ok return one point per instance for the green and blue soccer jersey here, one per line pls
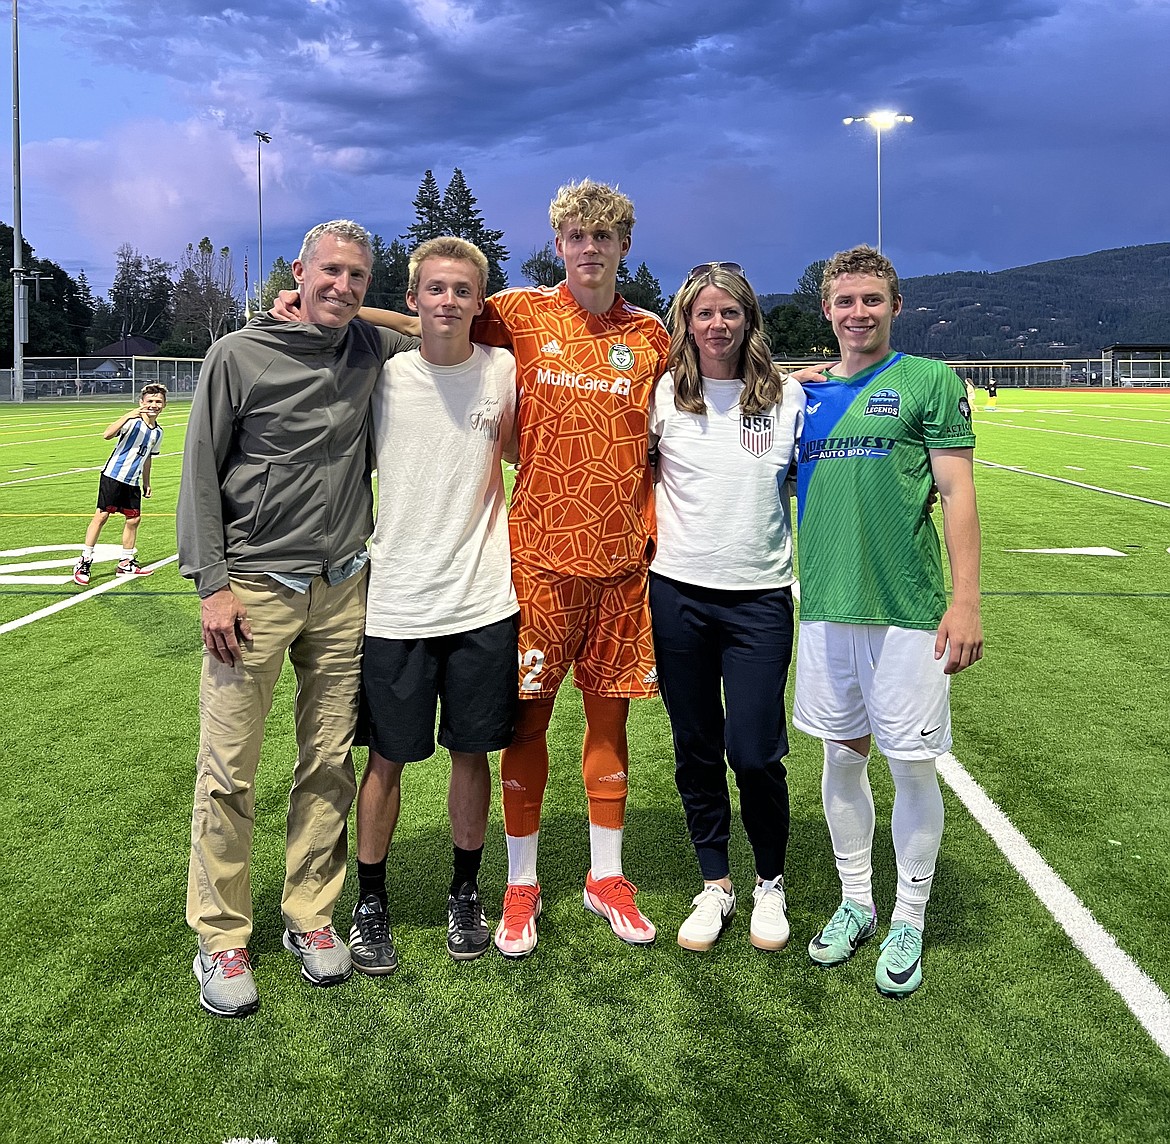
(869, 552)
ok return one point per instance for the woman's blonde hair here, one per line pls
(762, 381)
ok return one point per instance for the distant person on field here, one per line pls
(878, 641)
(275, 508)
(441, 618)
(992, 392)
(970, 387)
(125, 480)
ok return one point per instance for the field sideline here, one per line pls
(1043, 1015)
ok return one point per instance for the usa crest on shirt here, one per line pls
(755, 433)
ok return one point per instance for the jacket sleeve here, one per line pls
(210, 431)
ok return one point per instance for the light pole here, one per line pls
(880, 121)
(261, 137)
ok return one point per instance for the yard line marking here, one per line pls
(1141, 468)
(1087, 436)
(1069, 551)
(68, 473)
(62, 437)
(1076, 468)
(1132, 984)
(61, 605)
(1064, 481)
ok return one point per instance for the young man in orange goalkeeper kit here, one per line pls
(581, 533)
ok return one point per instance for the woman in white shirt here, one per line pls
(726, 420)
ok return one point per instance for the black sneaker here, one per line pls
(467, 928)
(371, 945)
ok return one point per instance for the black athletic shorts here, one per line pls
(469, 677)
(117, 496)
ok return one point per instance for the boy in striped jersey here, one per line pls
(125, 480)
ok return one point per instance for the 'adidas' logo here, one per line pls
(616, 777)
(551, 347)
(652, 676)
(512, 784)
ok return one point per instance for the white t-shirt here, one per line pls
(439, 557)
(722, 501)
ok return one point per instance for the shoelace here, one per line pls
(466, 911)
(232, 962)
(772, 904)
(519, 906)
(839, 923)
(618, 893)
(904, 942)
(318, 939)
(374, 926)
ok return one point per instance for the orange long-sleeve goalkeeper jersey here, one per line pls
(582, 500)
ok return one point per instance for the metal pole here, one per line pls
(19, 289)
(879, 186)
(261, 137)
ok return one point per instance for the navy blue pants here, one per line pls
(715, 648)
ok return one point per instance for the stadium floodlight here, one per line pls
(880, 121)
(261, 137)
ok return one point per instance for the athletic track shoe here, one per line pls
(843, 933)
(467, 930)
(769, 921)
(516, 933)
(612, 898)
(226, 985)
(714, 909)
(371, 944)
(81, 572)
(323, 956)
(899, 967)
(131, 567)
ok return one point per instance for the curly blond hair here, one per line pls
(593, 203)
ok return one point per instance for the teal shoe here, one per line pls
(899, 968)
(843, 934)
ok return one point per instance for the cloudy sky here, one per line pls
(1041, 127)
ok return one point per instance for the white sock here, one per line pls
(917, 828)
(605, 851)
(86, 552)
(522, 858)
(128, 553)
(849, 811)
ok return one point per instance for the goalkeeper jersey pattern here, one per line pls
(869, 552)
(582, 500)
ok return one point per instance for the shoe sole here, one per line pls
(322, 982)
(841, 960)
(372, 970)
(208, 1007)
(467, 956)
(600, 912)
(767, 944)
(519, 955)
(696, 946)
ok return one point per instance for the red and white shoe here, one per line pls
(612, 898)
(516, 933)
(131, 567)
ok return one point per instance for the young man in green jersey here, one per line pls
(878, 641)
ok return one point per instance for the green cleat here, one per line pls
(843, 934)
(899, 968)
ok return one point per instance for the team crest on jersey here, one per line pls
(755, 433)
(884, 403)
(621, 356)
(965, 408)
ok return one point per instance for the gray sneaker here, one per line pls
(322, 954)
(226, 985)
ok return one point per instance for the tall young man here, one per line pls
(581, 533)
(878, 641)
(441, 610)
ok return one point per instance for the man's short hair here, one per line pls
(859, 260)
(340, 228)
(153, 387)
(593, 203)
(448, 246)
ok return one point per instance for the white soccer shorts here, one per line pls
(869, 679)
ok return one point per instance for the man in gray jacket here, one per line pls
(275, 508)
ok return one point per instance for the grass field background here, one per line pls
(1014, 1036)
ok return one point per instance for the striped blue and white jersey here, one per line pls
(136, 442)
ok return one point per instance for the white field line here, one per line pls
(61, 605)
(67, 473)
(1087, 436)
(1095, 417)
(1136, 988)
(68, 437)
(1065, 481)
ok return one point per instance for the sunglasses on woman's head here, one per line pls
(707, 267)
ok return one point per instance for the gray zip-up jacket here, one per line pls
(276, 465)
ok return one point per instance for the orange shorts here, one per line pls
(599, 627)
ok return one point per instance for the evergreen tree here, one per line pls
(462, 218)
(390, 274)
(140, 297)
(280, 277)
(542, 267)
(429, 220)
(205, 303)
(807, 294)
(643, 289)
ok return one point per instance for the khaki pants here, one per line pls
(322, 632)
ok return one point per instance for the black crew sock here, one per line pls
(372, 880)
(466, 867)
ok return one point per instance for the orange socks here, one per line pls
(606, 760)
(524, 768)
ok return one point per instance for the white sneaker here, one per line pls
(714, 909)
(769, 921)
